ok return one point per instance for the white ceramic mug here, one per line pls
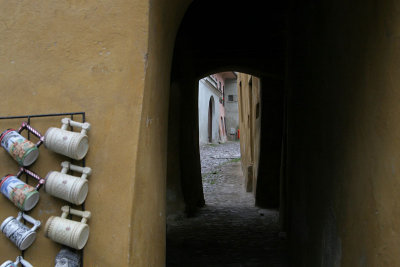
(18, 232)
(19, 260)
(71, 144)
(67, 232)
(70, 188)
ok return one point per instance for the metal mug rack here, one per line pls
(29, 119)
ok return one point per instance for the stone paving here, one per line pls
(229, 230)
(213, 155)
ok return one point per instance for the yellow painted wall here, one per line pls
(149, 203)
(112, 60)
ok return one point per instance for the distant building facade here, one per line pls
(231, 109)
(211, 104)
(209, 110)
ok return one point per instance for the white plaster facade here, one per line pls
(208, 91)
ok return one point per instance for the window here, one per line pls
(232, 98)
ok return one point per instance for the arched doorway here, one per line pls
(210, 118)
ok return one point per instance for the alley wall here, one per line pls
(207, 93)
(343, 143)
(249, 127)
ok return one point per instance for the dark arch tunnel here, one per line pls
(214, 45)
(324, 84)
(230, 45)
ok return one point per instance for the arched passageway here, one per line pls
(194, 58)
(328, 149)
(229, 230)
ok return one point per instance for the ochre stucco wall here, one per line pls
(149, 203)
(112, 60)
(249, 126)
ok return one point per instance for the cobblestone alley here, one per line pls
(229, 230)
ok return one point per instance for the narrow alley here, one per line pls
(229, 230)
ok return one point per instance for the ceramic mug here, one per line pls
(68, 258)
(71, 144)
(21, 149)
(67, 232)
(70, 188)
(19, 260)
(23, 195)
(18, 232)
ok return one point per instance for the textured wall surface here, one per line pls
(249, 95)
(98, 57)
(343, 133)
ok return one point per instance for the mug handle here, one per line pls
(23, 262)
(66, 166)
(66, 210)
(35, 223)
(32, 130)
(17, 260)
(85, 126)
(33, 175)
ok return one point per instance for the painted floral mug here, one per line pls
(23, 195)
(21, 149)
